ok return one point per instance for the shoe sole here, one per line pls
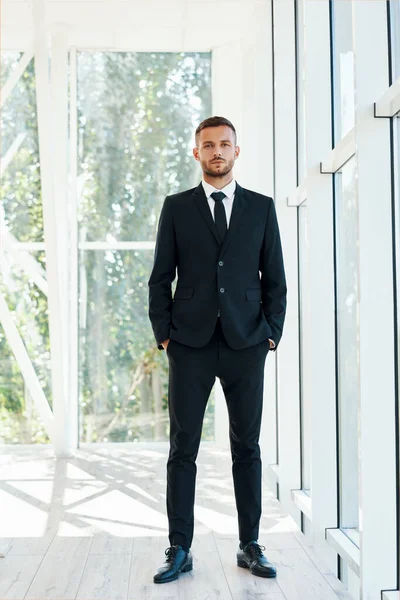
(244, 565)
(175, 577)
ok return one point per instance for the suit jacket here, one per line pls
(242, 278)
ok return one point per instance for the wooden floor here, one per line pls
(94, 527)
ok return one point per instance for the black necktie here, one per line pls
(219, 214)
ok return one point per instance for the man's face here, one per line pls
(216, 150)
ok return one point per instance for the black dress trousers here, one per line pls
(192, 373)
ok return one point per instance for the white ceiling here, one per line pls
(143, 25)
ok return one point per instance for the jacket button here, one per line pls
(222, 290)
(221, 262)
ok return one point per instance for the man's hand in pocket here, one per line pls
(165, 343)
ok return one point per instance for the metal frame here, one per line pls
(11, 152)
(51, 93)
(341, 153)
(388, 104)
(395, 136)
(298, 196)
(30, 265)
(390, 595)
(343, 545)
(15, 76)
(28, 372)
(303, 501)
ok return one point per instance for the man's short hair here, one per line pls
(214, 122)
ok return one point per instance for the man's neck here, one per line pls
(218, 182)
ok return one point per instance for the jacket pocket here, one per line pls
(183, 293)
(253, 294)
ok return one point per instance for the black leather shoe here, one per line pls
(178, 561)
(251, 557)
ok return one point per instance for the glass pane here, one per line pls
(348, 341)
(20, 192)
(137, 113)
(343, 71)
(395, 37)
(304, 345)
(123, 375)
(301, 93)
(396, 181)
(9, 62)
(19, 420)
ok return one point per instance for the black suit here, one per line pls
(215, 277)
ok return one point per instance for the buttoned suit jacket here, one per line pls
(242, 277)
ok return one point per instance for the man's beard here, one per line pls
(221, 172)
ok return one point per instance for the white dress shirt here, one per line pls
(229, 191)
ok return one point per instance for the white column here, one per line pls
(64, 418)
(321, 276)
(52, 107)
(73, 256)
(377, 442)
(285, 158)
(248, 104)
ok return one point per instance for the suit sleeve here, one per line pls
(273, 281)
(162, 275)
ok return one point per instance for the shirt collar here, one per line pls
(228, 190)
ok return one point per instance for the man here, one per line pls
(222, 322)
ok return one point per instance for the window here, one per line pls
(343, 68)
(304, 283)
(347, 310)
(137, 113)
(22, 268)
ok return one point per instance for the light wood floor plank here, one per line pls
(60, 572)
(105, 577)
(105, 543)
(16, 575)
(298, 577)
(31, 545)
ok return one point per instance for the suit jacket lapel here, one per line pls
(237, 209)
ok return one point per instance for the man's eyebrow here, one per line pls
(211, 142)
